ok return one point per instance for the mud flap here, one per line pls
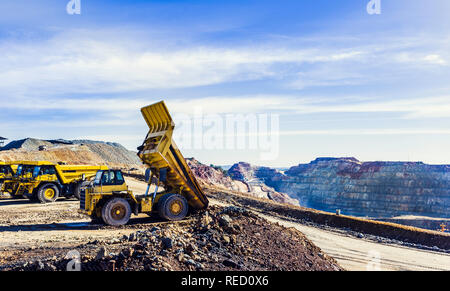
(136, 209)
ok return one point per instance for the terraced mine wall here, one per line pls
(374, 189)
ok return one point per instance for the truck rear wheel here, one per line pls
(116, 211)
(77, 190)
(48, 193)
(172, 207)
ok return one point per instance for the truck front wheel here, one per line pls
(172, 207)
(116, 211)
(48, 193)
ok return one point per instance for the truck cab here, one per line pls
(106, 184)
(109, 181)
(7, 171)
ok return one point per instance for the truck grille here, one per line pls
(83, 199)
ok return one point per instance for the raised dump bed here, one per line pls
(160, 152)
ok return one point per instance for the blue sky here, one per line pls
(343, 82)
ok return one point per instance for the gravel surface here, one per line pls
(221, 238)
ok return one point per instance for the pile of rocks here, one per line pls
(228, 238)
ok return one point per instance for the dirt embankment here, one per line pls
(228, 238)
(439, 224)
(408, 234)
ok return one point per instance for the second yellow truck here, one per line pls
(45, 181)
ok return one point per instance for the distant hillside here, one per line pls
(71, 151)
(26, 144)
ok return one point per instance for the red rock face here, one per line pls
(241, 171)
(355, 170)
(241, 177)
(210, 175)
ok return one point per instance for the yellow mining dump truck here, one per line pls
(175, 192)
(7, 171)
(46, 181)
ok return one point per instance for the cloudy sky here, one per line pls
(338, 81)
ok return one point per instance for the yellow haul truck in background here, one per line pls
(176, 189)
(46, 181)
(7, 171)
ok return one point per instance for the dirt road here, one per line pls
(33, 225)
(360, 254)
(24, 224)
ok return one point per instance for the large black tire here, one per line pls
(116, 211)
(77, 190)
(173, 207)
(48, 193)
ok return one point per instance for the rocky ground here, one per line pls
(34, 235)
(229, 238)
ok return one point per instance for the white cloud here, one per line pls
(124, 108)
(435, 59)
(431, 107)
(328, 75)
(380, 131)
(104, 62)
(74, 72)
(61, 65)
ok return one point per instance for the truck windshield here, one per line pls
(5, 170)
(36, 171)
(98, 178)
(26, 169)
